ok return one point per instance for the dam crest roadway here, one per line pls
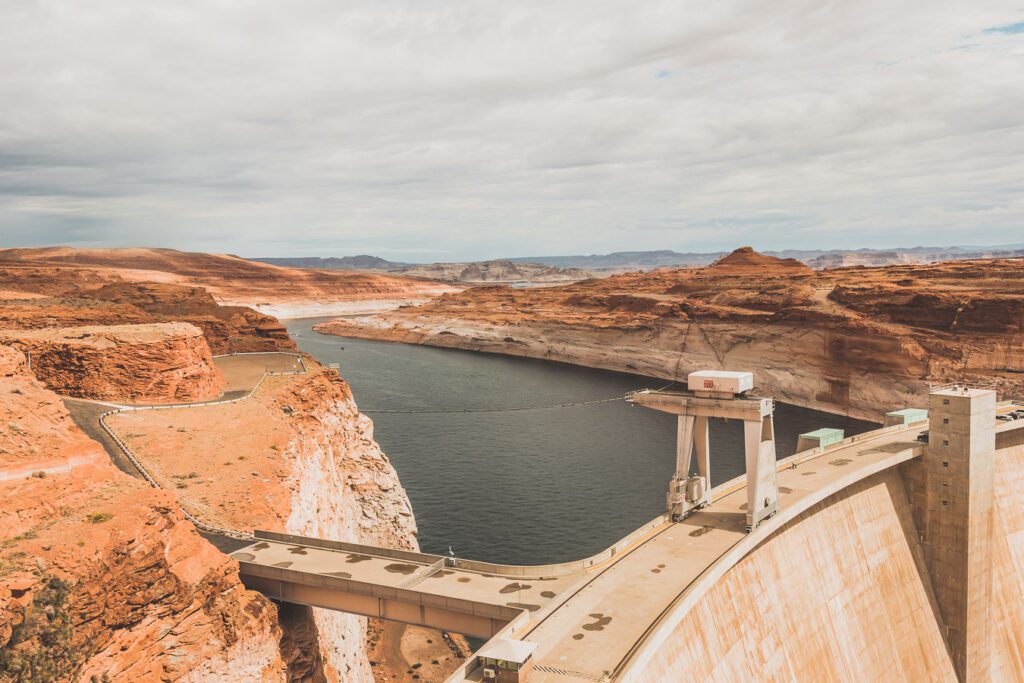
(605, 617)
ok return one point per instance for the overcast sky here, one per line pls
(447, 130)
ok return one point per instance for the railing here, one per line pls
(423, 573)
(137, 463)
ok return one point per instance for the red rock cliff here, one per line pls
(99, 573)
(859, 341)
(155, 363)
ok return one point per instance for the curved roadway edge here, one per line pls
(637, 658)
(137, 463)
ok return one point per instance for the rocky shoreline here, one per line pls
(855, 342)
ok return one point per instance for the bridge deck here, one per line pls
(404, 573)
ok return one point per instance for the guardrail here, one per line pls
(562, 568)
(345, 546)
(423, 574)
(137, 463)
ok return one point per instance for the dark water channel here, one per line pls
(534, 486)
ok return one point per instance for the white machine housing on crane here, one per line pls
(725, 382)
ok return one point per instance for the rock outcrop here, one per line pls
(153, 600)
(296, 457)
(101, 574)
(148, 363)
(227, 328)
(856, 341)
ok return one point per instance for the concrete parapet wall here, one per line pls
(1007, 611)
(357, 548)
(564, 568)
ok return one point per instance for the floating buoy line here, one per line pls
(512, 409)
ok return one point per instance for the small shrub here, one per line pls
(99, 517)
(40, 647)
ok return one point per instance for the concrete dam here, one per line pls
(892, 555)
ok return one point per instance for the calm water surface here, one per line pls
(534, 486)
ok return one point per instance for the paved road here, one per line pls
(86, 415)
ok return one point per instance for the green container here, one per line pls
(826, 436)
(906, 416)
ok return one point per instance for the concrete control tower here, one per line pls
(718, 393)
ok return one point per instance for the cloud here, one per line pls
(473, 129)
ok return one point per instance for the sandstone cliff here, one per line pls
(154, 363)
(62, 300)
(857, 341)
(101, 574)
(297, 457)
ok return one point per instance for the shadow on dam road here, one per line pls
(526, 487)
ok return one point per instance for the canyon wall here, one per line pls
(231, 280)
(843, 589)
(55, 298)
(101, 574)
(137, 326)
(343, 487)
(295, 457)
(856, 341)
(830, 370)
(146, 363)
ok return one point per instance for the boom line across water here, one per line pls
(438, 411)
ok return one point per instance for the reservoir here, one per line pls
(526, 486)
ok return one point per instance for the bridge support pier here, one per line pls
(953, 510)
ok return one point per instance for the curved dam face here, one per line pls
(843, 591)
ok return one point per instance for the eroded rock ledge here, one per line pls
(146, 363)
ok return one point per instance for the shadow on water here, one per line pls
(526, 487)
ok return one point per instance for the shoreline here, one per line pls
(573, 353)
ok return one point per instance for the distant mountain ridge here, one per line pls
(500, 270)
(358, 262)
(621, 261)
(815, 258)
